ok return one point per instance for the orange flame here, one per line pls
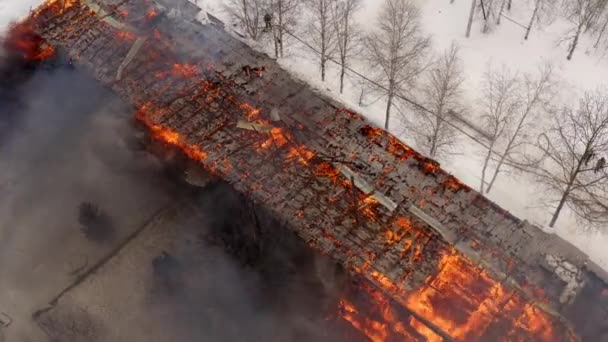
(152, 13)
(124, 35)
(168, 135)
(22, 40)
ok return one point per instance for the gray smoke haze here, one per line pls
(64, 140)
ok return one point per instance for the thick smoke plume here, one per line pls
(71, 154)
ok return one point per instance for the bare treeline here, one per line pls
(588, 17)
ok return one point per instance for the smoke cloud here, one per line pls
(232, 273)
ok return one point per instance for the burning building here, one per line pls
(438, 260)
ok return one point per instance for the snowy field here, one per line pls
(446, 23)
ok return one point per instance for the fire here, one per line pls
(452, 184)
(168, 135)
(152, 13)
(374, 330)
(124, 35)
(301, 153)
(57, 6)
(277, 139)
(430, 166)
(23, 41)
(461, 298)
(251, 112)
(399, 149)
(185, 70)
(379, 321)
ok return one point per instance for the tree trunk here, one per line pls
(560, 206)
(566, 193)
(485, 167)
(276, 43)
(509, 5)
(471, 15)
(361, 96)
(433, 149)
(502, 8)
(323, 69)
(342, 73)
(502, 160)
(344, 52)
(280, 29)
(389, 104)
(507, 150)
(531, 20)
(574, 42)
(599, 37)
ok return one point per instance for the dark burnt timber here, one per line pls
(447, 254)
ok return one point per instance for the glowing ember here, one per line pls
(452, 184)
(152, 13)
(301, 153)
(374, 330)
(169, 136)
(21, 40)
(277, 139)
(124, 35)
(252, 113)
(185, 70)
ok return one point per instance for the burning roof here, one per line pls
(460, 267)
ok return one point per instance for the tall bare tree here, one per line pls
(575, 149)
(249, 15)
(601, 29)
(346, 32)
(398, 48)
(583, 14)
(536, 94)
(488, 10)
(285, 19)
(322, 31)
(471, 17)
(544, 12)
(442, 91)
(500, 103)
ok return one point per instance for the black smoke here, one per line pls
(75, 180)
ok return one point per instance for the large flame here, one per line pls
(22, 40)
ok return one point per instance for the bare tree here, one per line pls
(249, 15)
(535, 98)
(322, 31)
(346, 33)
(599, 32)
(503, 3)
(471, 17)
(500, 103)
(574, 168)
(583, 14)
(398, 48)
(284, 15)
(544, 12)
(442, 92)
(488, 11)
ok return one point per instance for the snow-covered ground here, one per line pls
(504, 46)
